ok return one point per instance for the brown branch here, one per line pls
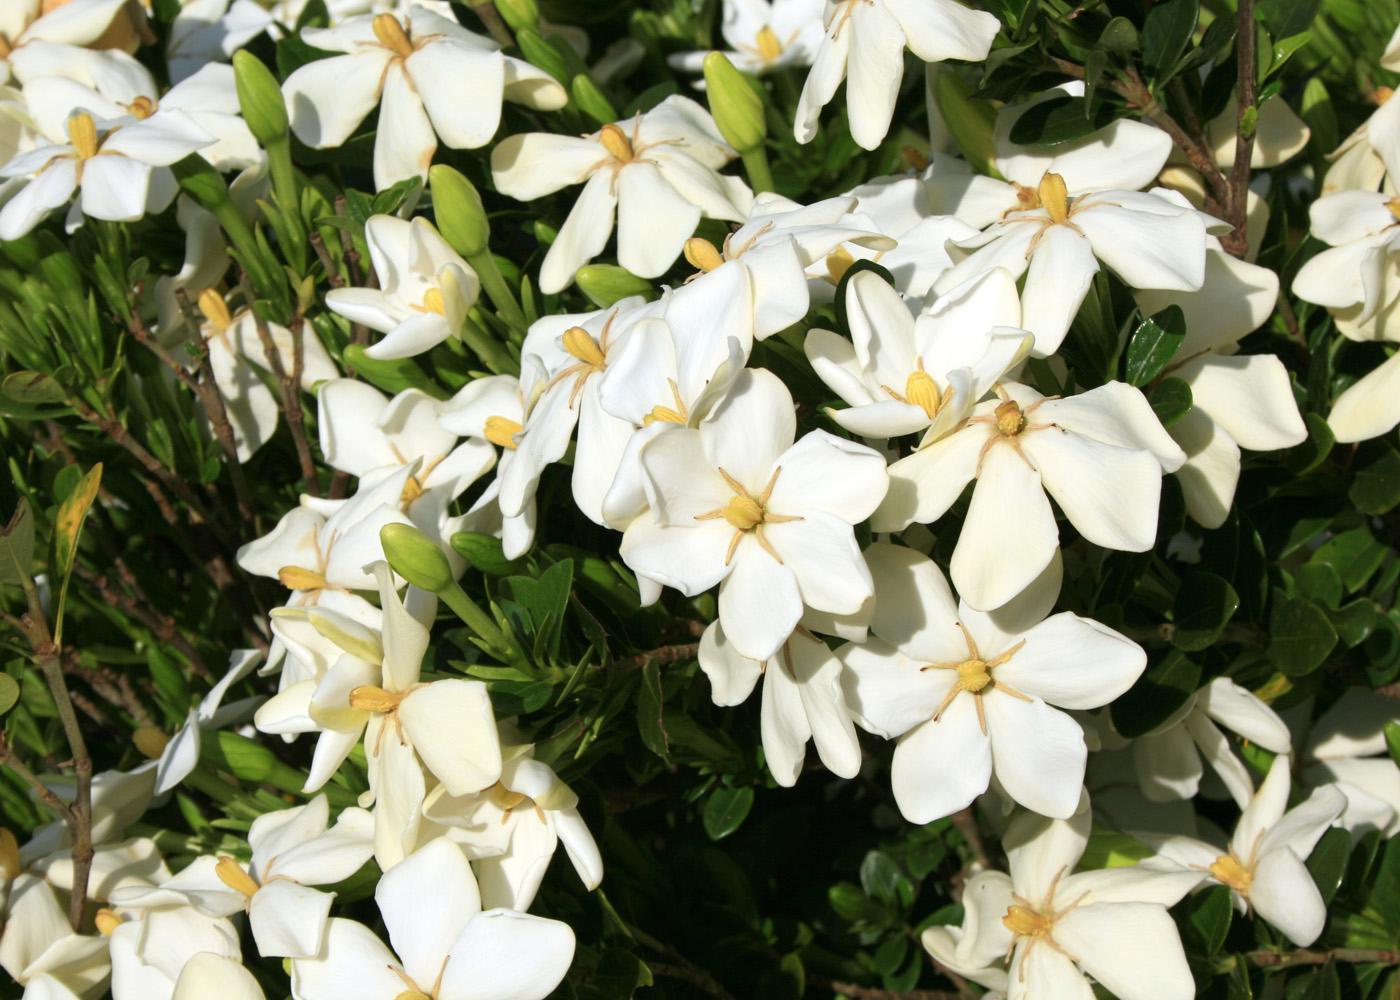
(289, 384)
(1236, 242)
(1304, 956)
(661, 655)
(318, 244)
(491, 17)
(1133, 89)
(680, 967)
(966, 824)
(44, 793)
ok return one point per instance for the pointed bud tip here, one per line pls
(416, 558)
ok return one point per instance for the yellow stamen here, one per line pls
(973, 676)
(615, 141)
(1380, 95)
(921, 390)
(662, 414)
(82, 135)
(913, 159)
(433, 303)
(392, 36)
(1054, 197)
(232, 875)
(701, 253)
(9, 853)
(1394, 205)
(1009, 418)
(744, 513)
(579, 343)
(150, 741)
(767, 43)
(838, 262)
(1026, 198)
(298, 578)
(1025, 922)
(503, 798)
(1228, 870)
(5, 47)
(215, 310)
(142, 107)
(501, 431)
(368, 698)
(106, 921)
(413, 995)
(411, 491)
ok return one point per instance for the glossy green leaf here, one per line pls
(1166, 33)
(1060, 120)
(1205, 920)
(9, 693)
(1328, 861)
(1300, 636)
(1153, 345)
(1204, 605)
(1170, 399)
(17, 545)
(1375, 486)
(725, 811)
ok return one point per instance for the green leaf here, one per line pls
(1060, 120)
(1328, 861)
(725, 811)
(1303, 458)
(17, 545)
(1392, 741)
(1170, 399)
(1354, 554)
(1205, 920)
(1159, 692)
(1119, 36)
(1154, 343)
(1323, 984)
(9, 693)
(1204, 605)
(651, 721)
(882, 878)
(1375, 488)
(1286, 18)
(1165, 35)
(33, 388)
(484, 552)
(1300, 636)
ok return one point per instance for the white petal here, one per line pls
(441, 72)
(1062, 266)
(1133, 949)
(1073, 662)
(925, 786)
(653, 220)
(504, 955)
(1283, 893)
(874, 71)
(328, 99)
(533, 164)
(289, 920)
(1263, 811)
(732, 675)
(404, 141)
(209, 975)
(1109, 494)
(1241, 711)
(925, 484)
(583, 236)
(1038, 753)
(1370, 407)
(354, 966)
(759, 602)
(452, 727)
(428, 900)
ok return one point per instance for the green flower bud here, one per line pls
(519, 14)
(260, 99)
(735, 103)
(416, 558)
(970, 120)
(539, 51)
(592, 101)
(604, 284)
(461, 218)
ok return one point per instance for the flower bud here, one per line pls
(971, 121)
(592, 101)
(604, 284)
(416, 558)
(260, 99)
(150, 741)
(737, 106)
(540, 52)
(461, 218)
(519, 14)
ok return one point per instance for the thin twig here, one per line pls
(44, 792)
(661, 655)
(1236, 242)
(290, 385)
(1264, 958)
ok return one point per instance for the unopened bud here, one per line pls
(590, 100)
(604, 284)
(735, 103)
(519, 14)
(461, 218)
(416, 558)
(150, 741)
(260, 99)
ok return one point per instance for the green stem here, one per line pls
(756, 166)
(492, 354)
(494, 284)
(475, 618)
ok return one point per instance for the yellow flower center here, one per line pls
(300, 578)
(747, 513)
(9, 853)
(700, 253)
(678, 414)
(1010, 419)
(744, 512)
(579, 343)
(432, 302)
(615, 141)
(391, 35)
(1228, 870)
(150, 741)
(1394, 205)
(1026, 922)
(1054, 197)
(82, 135)
(215, 310)
(5, 47)
(368, 698)
(142, 107)
(231, 874)
(767, 43)
(501, 431)
(1380, 95)
(921, 390)
(106, 921)
(413, 995)
(973, 675)
(838, 262)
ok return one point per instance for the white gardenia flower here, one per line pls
(511, 830)
(982, 690)
(1347, 748)
(1264, 862)
(1100, 454)
(292, 850)
(212, 975)
(119, 799)
(763, 36)
(802, 700)
(776, 246)
(445, 946)
(737, 503)
(1371, 154)
(1060, 926)
(39, 949)
(1168, 760)
(864, 45)
(115, 865)
(425, 289)
(906, 374)
(150, 948)
(1057, 240)
(658, 174)
(207, 32)
(119, 171)
(32, 38)
(415, 68)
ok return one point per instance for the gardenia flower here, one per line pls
(1263, 864)
(120, 173)
(39, 949)
(32, 39)
(984, 690)
(1347, 748)
(212, 975)
(736, 502)
(511, 830)
(445, 946)
(151, 948)
(657, 173)
(802, 700)
(1057, 241)
(206, 32)
(425, 289)
(903, 374)
(764, 36)
(416, 69)
(864, 45)
(1060, 926)
(1100, 454)
(1371, 154)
